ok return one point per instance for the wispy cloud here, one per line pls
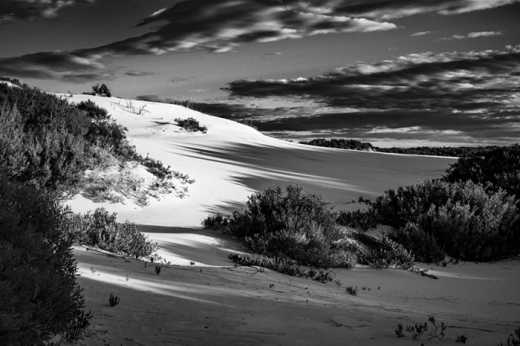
(475, 34)
(29, 9)
(451, 81)
(421, 33)
(474, 93)
(222, 25)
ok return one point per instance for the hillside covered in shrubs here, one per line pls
(472, 213)
(46, 146)
(295, 226)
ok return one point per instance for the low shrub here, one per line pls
(40, 298)
(496, 169)
(513, 339)
(101, 229)
(385, 253)
(101, 90)
(432, 329)
(282, 265)
(92, 111)
(113, 300)
(191, 125)
(287, 224)
(462, 220)
(351, 290)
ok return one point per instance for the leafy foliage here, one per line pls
(39, 296)
(101, 229)
(461, 220)
(432, 329)
(101, 90)
(282, 265)
(290, 224)
(191, 125)
(496, 169)
(513, 339)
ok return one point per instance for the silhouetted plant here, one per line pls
(101, 90)
(158, 269)
(431, 329)
(191, 125)
(461, 339)
(513, 339)
(40, 297)
(351, 290)
(113, 300)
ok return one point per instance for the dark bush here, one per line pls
(288, 224)
(101, 229)
(45, 138)
(351, 290)
(461, 220)
(513, 339)
(113, 300)
(282, 265)
(39, 298)
(191, 125)
(92, 110)
(101, 90)
(496, 169)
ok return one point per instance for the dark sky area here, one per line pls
(406, 72)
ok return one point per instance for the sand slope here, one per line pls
(202, 299)
(232, 160)
(227, 305)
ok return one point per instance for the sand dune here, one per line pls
(232, 160)
(202, 299)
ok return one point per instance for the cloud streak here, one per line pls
(476, 34)
(476, 81)
(222, 25)
(11, 10)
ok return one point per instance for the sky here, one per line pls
(393, 72)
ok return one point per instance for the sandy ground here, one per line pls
(232, 160)
(202, 299)
(214, 303)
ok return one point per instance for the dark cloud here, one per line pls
(485, 81)
(390, 9)
(30, 9)
(221, 25)
(54, 65)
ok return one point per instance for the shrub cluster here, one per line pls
(191, 125)
(498, 168)
(101, 229)
(461, 220)
(39, 296)
(282, 265)
(101, 90)
(287, 224)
